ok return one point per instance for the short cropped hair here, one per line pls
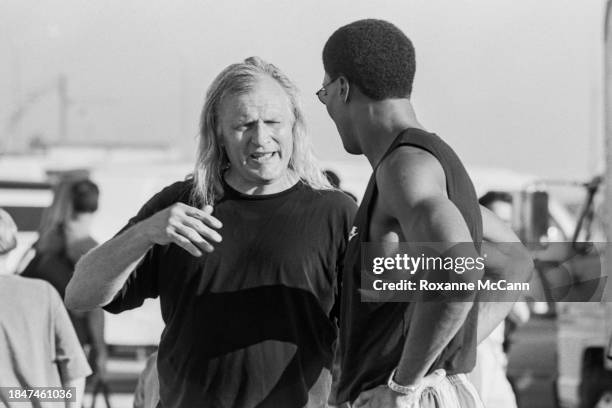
(8, 233)
(373, 54)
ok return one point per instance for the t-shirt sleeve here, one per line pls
(69, 356)
(143, 281)
(140, 285)
(177, 192)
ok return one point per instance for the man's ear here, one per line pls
(344, 88)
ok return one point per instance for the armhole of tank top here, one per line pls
(400, 144)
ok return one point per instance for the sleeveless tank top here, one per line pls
(372, 335)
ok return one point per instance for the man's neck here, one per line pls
(260, 188)
(377, 124)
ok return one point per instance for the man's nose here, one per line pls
(261, 134)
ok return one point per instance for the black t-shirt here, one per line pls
(372, 334)
(249, 324)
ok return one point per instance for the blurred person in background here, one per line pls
(65, 236)
(38, 345)
(490, 373)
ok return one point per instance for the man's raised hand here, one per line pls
(188, 227)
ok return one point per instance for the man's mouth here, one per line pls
(262, 157)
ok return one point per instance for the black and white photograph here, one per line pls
(307, 204)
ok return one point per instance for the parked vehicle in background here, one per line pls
(583, 330)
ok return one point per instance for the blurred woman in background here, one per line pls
(65, 236)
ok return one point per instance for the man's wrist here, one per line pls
(405, 395)
(142, 231)
(404, 389)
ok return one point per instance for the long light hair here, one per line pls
(238, 79)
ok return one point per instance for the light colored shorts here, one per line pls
(455, 391)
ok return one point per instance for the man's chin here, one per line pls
(352, 150)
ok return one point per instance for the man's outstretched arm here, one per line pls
(103, 271)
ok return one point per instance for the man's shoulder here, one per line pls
(408, 157)
(408, 168)
(179, 191)
(333, 200)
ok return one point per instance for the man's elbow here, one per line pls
(73, 301)
(75, 297)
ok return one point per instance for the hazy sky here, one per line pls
(513, 84)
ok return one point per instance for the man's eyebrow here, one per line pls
(241, 117)
(243, 120)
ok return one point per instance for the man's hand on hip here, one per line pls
(383, 397)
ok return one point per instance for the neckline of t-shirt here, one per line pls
(232, 192)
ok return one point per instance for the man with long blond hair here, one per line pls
(244, 256)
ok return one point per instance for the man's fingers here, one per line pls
(204, 216)
(184, 243)
(195, 238)
(206, 232)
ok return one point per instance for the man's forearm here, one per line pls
(490, 315)
(432, 326)
(505, 261)
(101, 273)
(435, 321)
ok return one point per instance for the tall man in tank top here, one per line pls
(406, 354)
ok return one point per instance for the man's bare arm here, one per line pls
(507, 259)
(103, 271)
(413, 187)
